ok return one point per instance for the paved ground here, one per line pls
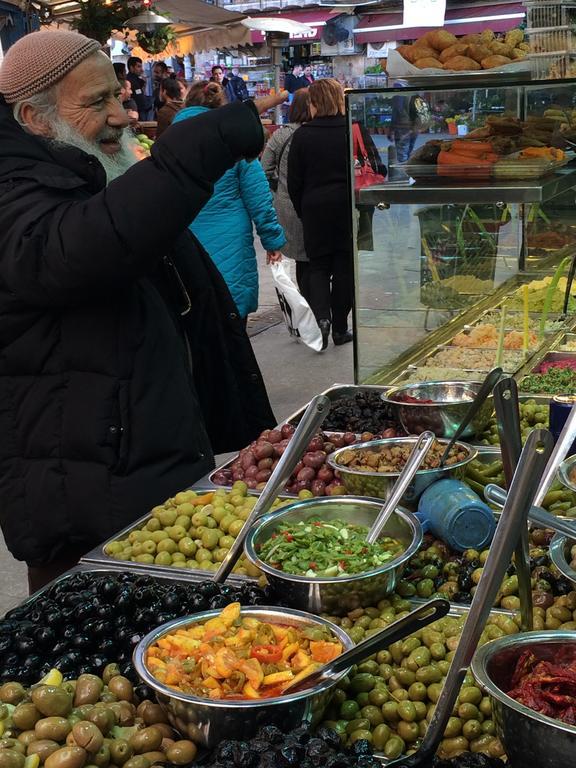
(293, 374)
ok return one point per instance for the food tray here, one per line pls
(487, 317)
(406, 374)
(568, 338)
(554, 357)
(98, 556)
(510, 370)
(512, 169)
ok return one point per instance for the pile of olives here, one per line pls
(95, 721)
(435, 570)
(388, 699)
(533, 415)
(192, 531)
(363, 411)
(88, 619)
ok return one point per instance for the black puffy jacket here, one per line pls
(100, 415)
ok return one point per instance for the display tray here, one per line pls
(472, 79)
(515, 321)
(511, 169)
(98, 556)
(554, 357)
(566, 343)
(510, 363)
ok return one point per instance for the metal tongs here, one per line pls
(421, 448)
(312, 420)
(522, 492)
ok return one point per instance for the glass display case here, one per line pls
(478, 201)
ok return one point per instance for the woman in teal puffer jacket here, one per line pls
(240, 199)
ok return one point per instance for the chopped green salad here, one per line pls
(326, 549)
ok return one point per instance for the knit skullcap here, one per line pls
(41, 59)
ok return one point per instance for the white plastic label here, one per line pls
(424, 13)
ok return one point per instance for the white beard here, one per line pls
(114, 165)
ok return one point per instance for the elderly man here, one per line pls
(123, 362)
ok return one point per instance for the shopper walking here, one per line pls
(238, 85)
(275, 164)
(318, 188)
(138, 82)
(241, 200)
(171, 95)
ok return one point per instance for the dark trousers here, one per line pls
(330, 286)
(302, 269)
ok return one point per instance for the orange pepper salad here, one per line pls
(239, 657)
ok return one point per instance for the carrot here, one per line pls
(200, 501)
(455, 164)
(472, 147)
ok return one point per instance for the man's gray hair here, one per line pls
(44, 103)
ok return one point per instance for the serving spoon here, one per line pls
(421, 448)
(417, 619)
(482, 395)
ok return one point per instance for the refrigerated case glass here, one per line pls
(432, 252)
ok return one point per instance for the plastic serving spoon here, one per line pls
(417, 619)
(421, 448)
(522, 491)
(313, 418)
(483, 393)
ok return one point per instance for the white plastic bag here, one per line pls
(298, 316)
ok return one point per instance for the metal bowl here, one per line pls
(208, 721)
(529, 738)
(339, 595)
(565, 470)
(560, 554)
(451, 402)
(379, 484)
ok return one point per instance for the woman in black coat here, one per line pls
(318, 188)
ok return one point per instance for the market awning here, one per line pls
(315, 19)
(381, 27)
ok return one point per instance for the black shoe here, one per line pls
(324, 326)
(342, 338)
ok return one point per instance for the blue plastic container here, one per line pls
(454, 513)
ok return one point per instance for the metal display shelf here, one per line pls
(462, 192)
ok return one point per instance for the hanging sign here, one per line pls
(424, 13)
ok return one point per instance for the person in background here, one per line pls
(295, 80)
(318, 188)
(127, 101)
(308, 74)
(137, 80)
(220, 78)
(238, 85)
(275, 164)
(120, 69)
(172, 97)
(241, 200)
(159, 74)
(402, 126)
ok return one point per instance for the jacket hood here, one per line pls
(23, 155)
(190, 112)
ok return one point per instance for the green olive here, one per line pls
(69, 686)
(468, 712)
(405, 676)
(110, 671)
(43, 748)
(182, 752)
(12, 693)
(102, 757)
(390, 712)
(66, 757)
(155, 757)
(103, 717)
(10, 743)
(378, 696)
(471, 730)
(361, 734)
(151, 713)
(453, 728)
(88, 690)
(394, 747)
(138, 761)
(120, 751)
(373, 714)
(407, 712)
(360, 724)
(51, 700)
(408, 732)
(146, 740)
(56, 728)
(27, 737)
(121, 687)
(417, 692)
(349, 710)
(380, 736)
(25, 716)
(9, 758)
(125, 713)
(470, 695)
(88, 736)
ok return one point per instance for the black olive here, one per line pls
(106, 646)
(108, 587)
(361, 747)
(69, 631)
(25, 644)
(289, 755)
(83, 612)
(271, 734)
(32, 661)
(54, 618)
(62, 646)
(208, 589)
(45, 637)
(329, 737)
(69, 662)
(5, 643)
(196, 603)
(219, 601)
(171, 601)
(81, 641)
(143, 692)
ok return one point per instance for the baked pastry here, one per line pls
(408, 52)
(486, 36)
(423, 52)
(442, 39)
(518, 53)
(495, 61)
(474, 39)
(502, 49)
(513, 37)
(429, 61)
(478, 52)
(461, 64)
(459, 49)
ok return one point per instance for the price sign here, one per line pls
(424, 13)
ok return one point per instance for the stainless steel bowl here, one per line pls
(207, 722)
(565, 470)
(559, 551)
(379, 484)
(339, 595)
(529, 738)
(451, 402)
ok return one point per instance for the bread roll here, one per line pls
(514, 36)
(518, 53)
(407, 52)
(442, 39)
(524, 46)
(486, 36)
(461, 64)
(502, 49)
(495, 61)
(474, 39)
(459, 49)
(478, 52)
(429, 61)
(425, 39)
(423, 52)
